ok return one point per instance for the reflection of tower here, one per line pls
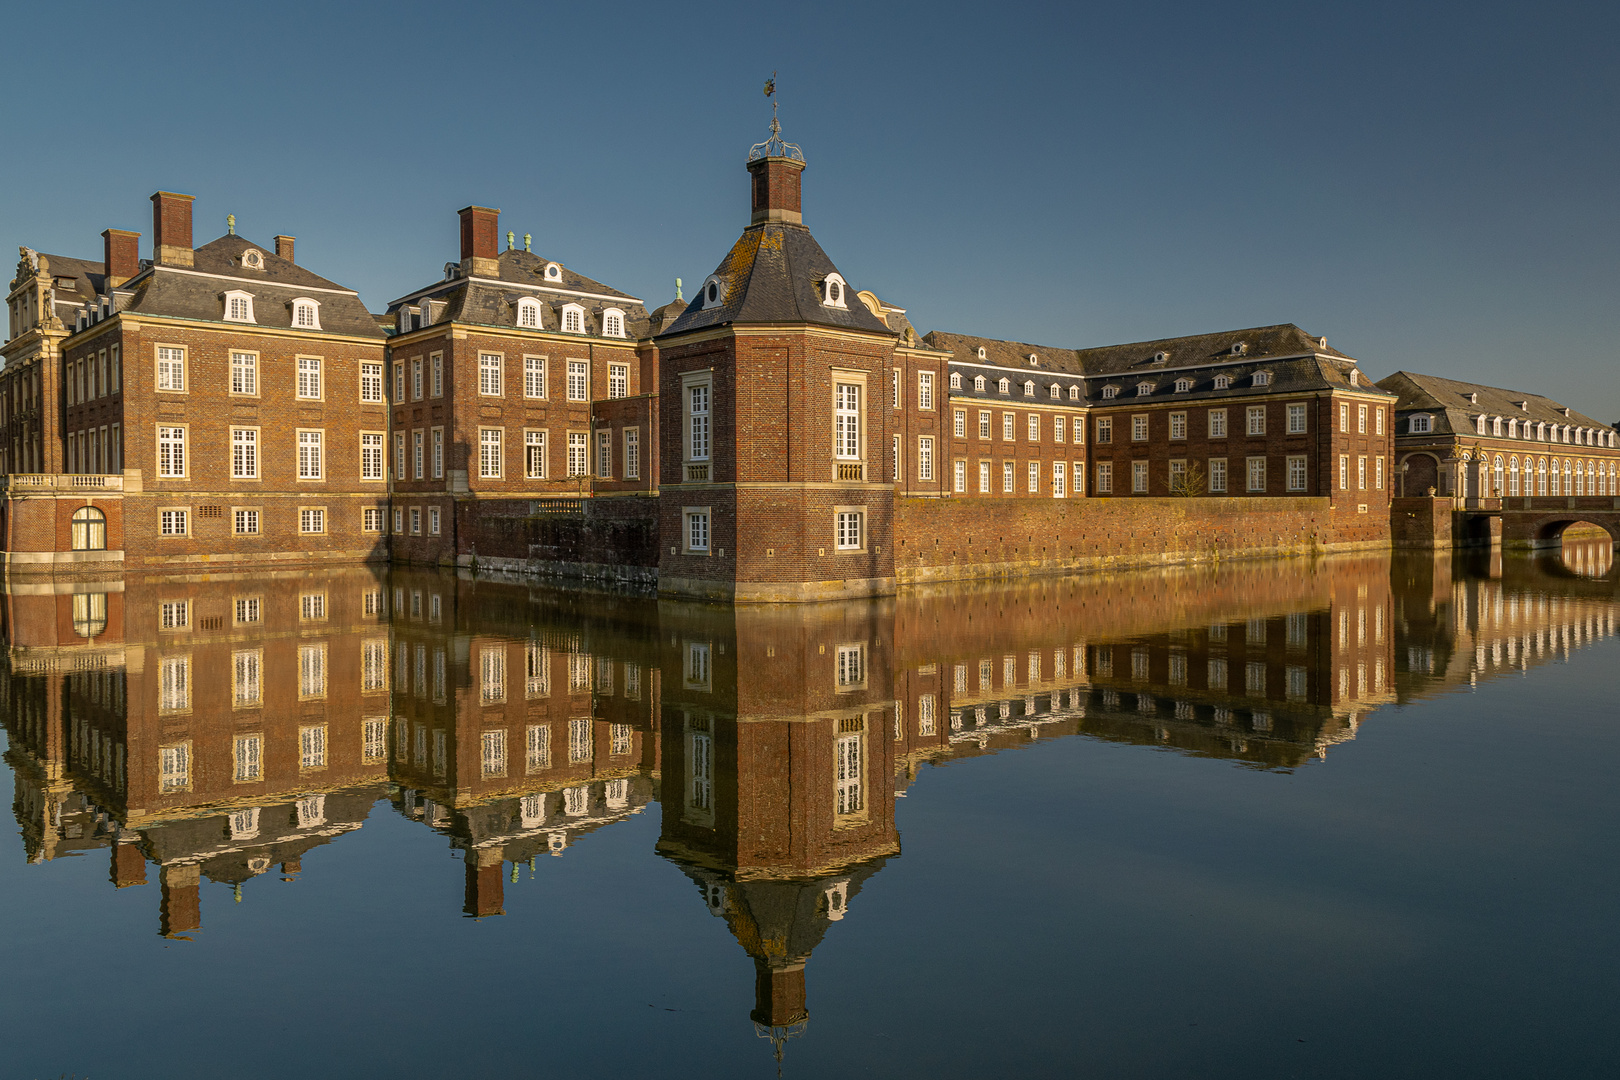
(778, 793)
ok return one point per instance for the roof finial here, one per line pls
(511, 238)
(230, 224)
(526, 239)
(678, 295)
(774, 146)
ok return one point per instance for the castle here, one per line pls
(785, 435)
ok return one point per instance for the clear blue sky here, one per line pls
(1431, 186)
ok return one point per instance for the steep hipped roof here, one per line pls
(1449, 400)
(773, 274)
(74, 281)
(487, 302)
(195, 293)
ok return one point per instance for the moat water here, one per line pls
(1339, 818)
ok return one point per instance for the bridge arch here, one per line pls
(1549, 529)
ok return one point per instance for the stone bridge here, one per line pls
(1517, 521)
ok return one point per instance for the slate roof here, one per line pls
(1448, 400)
(1296, 362)
(483, 302)
(75, 282)
(195, 292)
(773, 274)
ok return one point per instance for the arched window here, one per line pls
(1110, 391)
(1057, 392)
(1143, 389)
(1029, 389)
(1005, 386)
(833, 290)
(713, 292)
(573, 319)
(1263, 378)
(89, 529)
(956, 380)
(1541, 476)
(1222, 382)
(979, 383)
(1497, 478)
(528, 312)
(1513, 475)
(1569, 476)
(613, 323)
(1580, 479)
(1183, 385)
(89, 614)
(306, 314)
(1074, 393)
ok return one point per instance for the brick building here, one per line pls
(212, 404)
(1482, 442)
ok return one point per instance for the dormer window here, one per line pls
(528, 313)
(253, 259)
(1262, 378)
(1183, 385)
(1473, 398)
(1143, 389)
(713, 292)
(1240, 348)
(1005, 386)
(833, 291)
(1222, 382)
(1513, 429)
(1029, 389)
(1074, 392)
(981, 352)
(979, 383)
(1160, 358)
(404, 313)
(1056, 392)
(1034, 361)
(613, 323)
(1496, 425)
(573, 319)
(306, 314)
(238, 306)
(956, 381)
(1479, 424)
(553, 272)
(1110, 391)
(1420, 425)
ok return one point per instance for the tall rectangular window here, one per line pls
(697, 530)
(1008, 480)
(1361, 419)
(371, 382)
(489, 453)
(438, 453)
(1034, 477)
(244, 373)
(1217, 475)
(534, 376)
(1296, 472)
(959, 477)
(1296, 419)
(850, 787)
(1057, 429)
(1105, 478)
(489, 375)
(1344, 472)
(632, 453)
(1034, 427)
(399, 381)
(846, 420)
(984, 423)
(309, 377)
(1178, 425)
(984, 477)
(1009, 426)
(1060, 482)
(1378, 415)
(1139, 477)
(312, 671)
(1344, 417)
(245, 522)
(534, 455)
(244, 453)
(849, 530)
(578, 452)
(1257, 419)
(1105, 429)
(618, 380)
(1257, 474)
(925, 389)
(171, 370)
(371, 455)
(1361, 473)
(399, 455)
(437, 376)
(312, 746)
(174, 684)
(1217, 423)
(171, 452)
(697, 422)
(247, 685)
(925, 458)
(1380, 475)
(248, 751)
(311, 460)
(418, 454)
(959, 424)
(604, 454)
(578, 381)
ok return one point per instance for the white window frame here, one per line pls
(306, 314)
(238, 306)
(579, 380)
(491, 465)
(310, 381)
(491, 376)
(244, 373)
(311, 445)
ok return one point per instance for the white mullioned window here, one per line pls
(1257, 474)
(613, 323)
(850, 782)
(371, 455)
(604, 454)
(534, 455)
(573, 319)
(244, 373)
(846, 420)
(984, 477)
(697, 422)
(174, 684)
(311, 458)
(489, 375)
(438, 453)
(416, 378)
(534, 376)
(697, 530)
(632, 453)
(959, 428)
(528, 313)
(489, 453)
(171, 452)
(849, 530)
(618, 380)
(1060, 479)
(309, 377)
(578, 451)
(1178, 425)
(244, 453)
(1296, 472)
(959, 476)
(171, 370)
(925, 390)
(1217, 475)
(245, 522)
(239, 306)
(1296, 419)
(311, 519)
(306, 314)
(1257, 419)
(312, 746)
(417, 454)
(371, 382)
(172, 522)
(437, 376)
(1009, 422)
(984, 423)
(247, 684)
(1034, 477)
(925, 458)
(1139, 478)
(578, 381)
(1139, 428)
(1034, 427)
(1008, 480)
(248, 752)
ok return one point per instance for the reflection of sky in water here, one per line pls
(1334, 818)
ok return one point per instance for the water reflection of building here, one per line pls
(522, 719)
(778, 749)
(217, 728)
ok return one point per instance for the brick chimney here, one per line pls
(480, 241)
(121, 255)
(778, 994)
(485, 893)
(776, 190)
(284, 247)
(128, 865)
(182, 903)
(171, 229)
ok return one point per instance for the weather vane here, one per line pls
(774, 146)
